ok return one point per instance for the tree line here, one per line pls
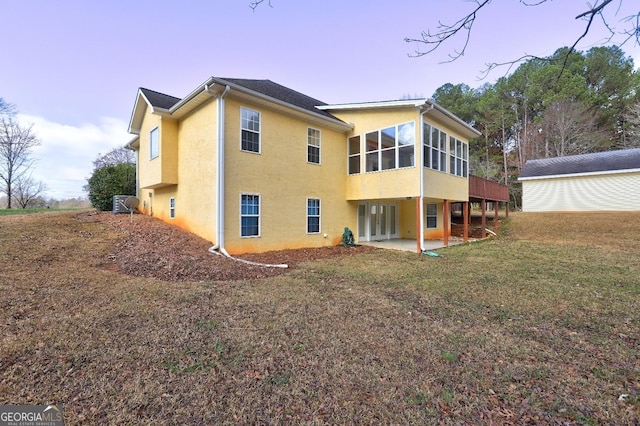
(569, 103)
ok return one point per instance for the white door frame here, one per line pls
(381, 220)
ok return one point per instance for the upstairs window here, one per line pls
(250, 129)
(154, 143)
(249, 215)
(458, 157)
(354, 155)
(434, 148)
(313, 145)
(313, 216)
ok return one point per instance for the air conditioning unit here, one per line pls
(124, 203)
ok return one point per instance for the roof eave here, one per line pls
(426, 105)
(583, 174)
(330, 122)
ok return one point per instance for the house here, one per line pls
(254, 166)
(602, 181)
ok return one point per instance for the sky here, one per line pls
(72, 68)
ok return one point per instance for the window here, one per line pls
(249, 215)
(172, 208)
(354, 155)
(458, 157)
(250, 129)
(313, 145)
(432, 215)
(435, 148)
(406, 142)
(390, 148)
(154, 144)
(313, 216)
(372, 152)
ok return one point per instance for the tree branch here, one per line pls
(254, 4)
(446, 31)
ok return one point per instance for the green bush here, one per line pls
(107, 181)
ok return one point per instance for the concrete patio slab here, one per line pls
(410, 245)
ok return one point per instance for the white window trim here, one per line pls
(157, 130)
(396, 148)
(319, 146)
(359, 154)
(259, 131)
(458, 156)
(172, 207)
(259, 215)
(319, 215)
(427, 215)
(439, 151)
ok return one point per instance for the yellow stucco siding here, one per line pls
(445, 186)
(150, 170)
(197, 163)
(384, 184)
(282, 177)
(169, 151)
(161, 170)
(394, 183)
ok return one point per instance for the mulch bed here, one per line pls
(153, 248)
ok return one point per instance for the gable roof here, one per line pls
(159, 100)
(281, 93)
(264, 92)
(595, 163)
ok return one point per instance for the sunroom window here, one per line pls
(434, 148)
(390, 148)
(458, 157)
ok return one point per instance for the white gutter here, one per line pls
(582, 174)
(218, 248)
(421, 165)
(220, 168)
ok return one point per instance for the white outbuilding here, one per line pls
(602, 181)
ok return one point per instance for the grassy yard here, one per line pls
(538, 326)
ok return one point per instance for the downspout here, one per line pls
(220, 170)
(218, 248)
(421, 161)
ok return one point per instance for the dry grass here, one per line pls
(541, 326)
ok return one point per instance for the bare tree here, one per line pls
(568, 129)
(6, 108)
(26, 189)
(444, 33)
(632, 118)
(16, 144)
(115, 156)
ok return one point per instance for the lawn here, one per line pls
(540, 325)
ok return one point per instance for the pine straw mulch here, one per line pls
(155, 249)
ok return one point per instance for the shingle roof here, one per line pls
(586, 163)
(159, 100)
(281, 93)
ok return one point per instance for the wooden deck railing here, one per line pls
(484, 189)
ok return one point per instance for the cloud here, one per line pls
(64, 160)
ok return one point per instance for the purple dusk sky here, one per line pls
(73, 67)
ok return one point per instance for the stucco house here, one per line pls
(252, 166)
(602, 181)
